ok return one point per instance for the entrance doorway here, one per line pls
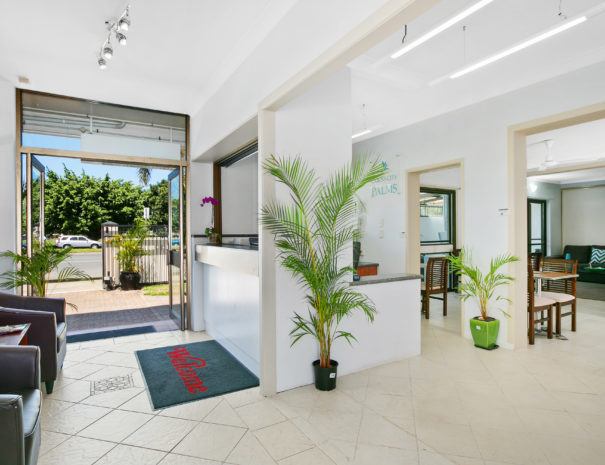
(84, 208)
(83, 163)
(434, 230)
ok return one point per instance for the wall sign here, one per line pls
(388, 184)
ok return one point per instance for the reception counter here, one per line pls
(225, 300)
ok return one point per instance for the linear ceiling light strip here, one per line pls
(520, 46)
(442, 27)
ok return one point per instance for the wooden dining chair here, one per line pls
(535, 258)
(562, 291)
(435, 282)
(537, 304)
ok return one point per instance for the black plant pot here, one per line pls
(129, 281)
(325, 378)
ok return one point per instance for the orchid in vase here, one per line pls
(211, 232)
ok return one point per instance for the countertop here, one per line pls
(385, 278)
(231, 246)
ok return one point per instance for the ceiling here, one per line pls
(572, 145)
(177, 56)
(571, 177)
(398, 92)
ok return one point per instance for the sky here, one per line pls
(55, 164)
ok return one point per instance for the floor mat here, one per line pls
(185, 373)
(93, 335)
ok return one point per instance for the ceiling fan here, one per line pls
(549, 162)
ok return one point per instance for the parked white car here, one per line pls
(77, 242)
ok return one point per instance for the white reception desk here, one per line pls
(226, 299)
(225, 303)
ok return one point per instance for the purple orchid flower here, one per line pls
(210, 200)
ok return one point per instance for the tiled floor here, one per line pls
(454, 404)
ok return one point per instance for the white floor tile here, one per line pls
(115, 426)
(161, 433)
(209, 441)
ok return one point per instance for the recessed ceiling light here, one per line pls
(442, 27)
(523, 45)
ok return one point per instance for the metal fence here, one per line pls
(153, 266)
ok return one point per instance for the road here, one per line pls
(89, 263)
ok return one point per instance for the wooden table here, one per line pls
(551, 275)
(18, 338)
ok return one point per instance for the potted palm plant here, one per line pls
(35, 271)
(482, 287)
(313, 233)
(130, 248)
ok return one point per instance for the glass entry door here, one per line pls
(32, 200)
(176, 241)
(536, 226)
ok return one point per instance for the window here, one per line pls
(437, 216)
(536, 226)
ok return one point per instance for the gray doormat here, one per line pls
(185, 373)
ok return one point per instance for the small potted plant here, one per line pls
(130, 248)
(482, 287)
(35, 271)
(313, 235)
(211, 233)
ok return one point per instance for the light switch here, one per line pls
(380, 234)
(381, 223)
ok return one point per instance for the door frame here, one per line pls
(412, 219)
(517, 194)
(177, 173)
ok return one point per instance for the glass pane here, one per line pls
(175, 248)
(73, 124)
(435, 217)
(536, 222)
(37, 227)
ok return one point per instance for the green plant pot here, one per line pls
(325, 378)
(485, 332)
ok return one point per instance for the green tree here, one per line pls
(156, 198)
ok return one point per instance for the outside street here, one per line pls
(88, 262)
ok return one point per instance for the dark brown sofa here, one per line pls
(20, 405)
(48, 329)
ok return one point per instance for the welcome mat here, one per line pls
(94, 335)
(185, 373)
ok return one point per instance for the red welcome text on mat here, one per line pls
(184, 364)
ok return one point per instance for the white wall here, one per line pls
(478, 134)
(584, 216)
(7, 174)
(316, 125)
(305, 32)
(201, 186)
(552, 194)
(239, 195)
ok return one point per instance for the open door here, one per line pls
(31, 198)
(176, 258)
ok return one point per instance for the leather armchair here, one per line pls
(48, 329)
(20, 404)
